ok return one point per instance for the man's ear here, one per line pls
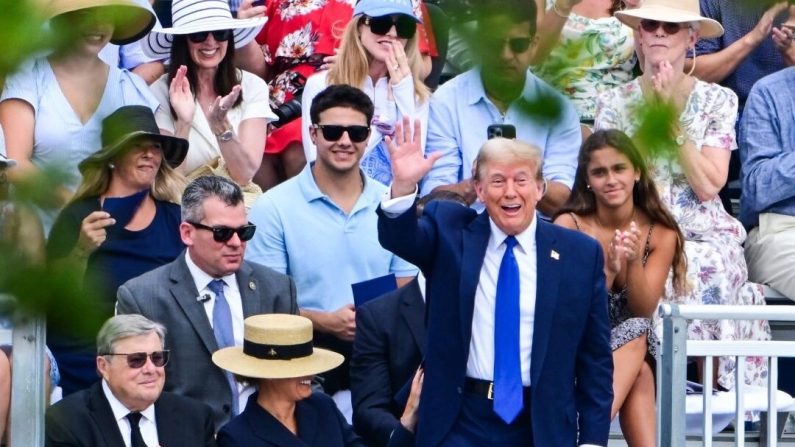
(186, 232)
(102, 366)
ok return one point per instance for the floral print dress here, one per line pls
(716, 269)
(592, 56)
(298, 35)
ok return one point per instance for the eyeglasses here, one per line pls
(404, 25)
(517, 45)
(220, 35)
(333, 132)
(223, 234)
(137, 360)
(651, 26)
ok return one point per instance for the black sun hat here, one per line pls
(129, 123)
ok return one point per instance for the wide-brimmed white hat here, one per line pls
(131, 19)
(674, 11)
(276, 346)
(194, 16)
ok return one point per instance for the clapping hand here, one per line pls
(220, 107)
(181, 97)
(409, 164)
(247, 10)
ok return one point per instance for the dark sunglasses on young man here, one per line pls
(137, 360)
(333, 132)
(651, 26)
(223, 234)
(517, 45)
(405, 26)
(221, 35)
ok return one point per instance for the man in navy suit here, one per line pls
(518, 335)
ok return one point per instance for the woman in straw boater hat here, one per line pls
(691, 170)
(221, 110)
(52, 108)
(278, 357)
(122, 222)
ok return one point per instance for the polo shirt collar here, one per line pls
(310, 190)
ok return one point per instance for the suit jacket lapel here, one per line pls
(412, 308)
(167, 419)
(547, 282)
(249, 290)
(265, 427)
(475, 241)
(100, 411)
(184, 291)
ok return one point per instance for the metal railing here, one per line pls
(672, 368)
(28, 381)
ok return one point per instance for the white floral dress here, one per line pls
(716, 269)
(592, 56)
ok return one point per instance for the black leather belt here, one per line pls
(484, 388)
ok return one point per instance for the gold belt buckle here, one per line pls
(490, 394)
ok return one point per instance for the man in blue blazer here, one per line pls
(518, 334)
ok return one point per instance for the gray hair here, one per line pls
(202, 189)
(124, 326)
(507, 150)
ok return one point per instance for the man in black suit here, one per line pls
(203, 296)
(128, 407)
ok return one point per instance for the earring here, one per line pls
(111, 166)
(637, 179)
(588, 186)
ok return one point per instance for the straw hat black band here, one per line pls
(277, 352)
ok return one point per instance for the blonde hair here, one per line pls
(508, 151)
(167, 187)
(353, 61)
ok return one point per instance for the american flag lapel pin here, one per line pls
(554, 255)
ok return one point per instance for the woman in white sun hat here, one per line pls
(278, 357)
(222, 111)
(52, 108)
(689, 175)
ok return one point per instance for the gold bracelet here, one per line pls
(558, 13)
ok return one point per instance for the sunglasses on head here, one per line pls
(333, 132)
(651, 26)
(137, 360)
(220, 35)
(404, 25)
(223, 234)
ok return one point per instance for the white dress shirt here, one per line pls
(147, 424)
(232, 295)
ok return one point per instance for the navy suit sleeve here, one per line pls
(408, 237)
(595, 364)
(370, 382)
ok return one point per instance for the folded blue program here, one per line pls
(372, 288)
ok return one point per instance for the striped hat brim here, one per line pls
(158, 43)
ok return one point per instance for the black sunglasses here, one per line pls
(333, 132)
(137, 360)
(223, 234)
(651, 26)
(517, 45)
(404, 25)
(220, 35)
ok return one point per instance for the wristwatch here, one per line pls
(225, 136)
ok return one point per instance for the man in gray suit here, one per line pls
(203, 296)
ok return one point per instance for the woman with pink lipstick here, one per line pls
(277, 355)
(379, 55)
(691, 169)
(222, 111)
(52, 108)
(615, 202)
(122, 222)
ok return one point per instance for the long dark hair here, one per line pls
(226, 77)
(644, 194)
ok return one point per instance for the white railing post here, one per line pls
(672, 368)
(28, 382)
